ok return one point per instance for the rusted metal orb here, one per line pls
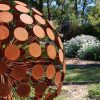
(31, 54)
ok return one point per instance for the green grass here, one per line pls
(94, 92)
(86, 74)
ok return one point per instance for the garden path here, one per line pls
(80, 62)
(73, 92)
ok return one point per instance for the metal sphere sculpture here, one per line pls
(31, 54)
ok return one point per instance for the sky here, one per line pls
(90, 3)
(53, 3)
(80, 6)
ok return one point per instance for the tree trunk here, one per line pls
(83, 12)
(40, 7)
(84, 5)
(48, 8)
(62, 11)
(76, 9)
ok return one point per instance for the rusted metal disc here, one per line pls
(64, 66)
(4, 90)
(22, 9)
(12, 52)
(50, 71)
(4, 32)
(61, 55)
(20, 3)
(38, 31)
(37, 12)
(39, 19)
(6, 17)
(51, 51)
(35, 50)
(50, 96)
(19, 73)
(58, 78)
(60, 42)
(21, 34)
(23, 90)
(50, 34)
(4, 7)
(3, 67)
(26, 19)
(40, 89)
(37, 71)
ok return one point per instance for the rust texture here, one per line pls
(31, 54)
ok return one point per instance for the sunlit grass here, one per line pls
(91, 74)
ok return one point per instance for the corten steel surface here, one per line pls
(31, 54)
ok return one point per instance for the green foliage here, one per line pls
(90, 29)
(71, 47)
(90, 52)
(94, 92)
(93, 19)
(84, 47)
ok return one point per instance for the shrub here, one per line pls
(94, 92)
(89, 51)
(71, 47)
(76, 46)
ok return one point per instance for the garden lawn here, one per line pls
(85, 74)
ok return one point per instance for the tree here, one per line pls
(76, 9)
(48, 9)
